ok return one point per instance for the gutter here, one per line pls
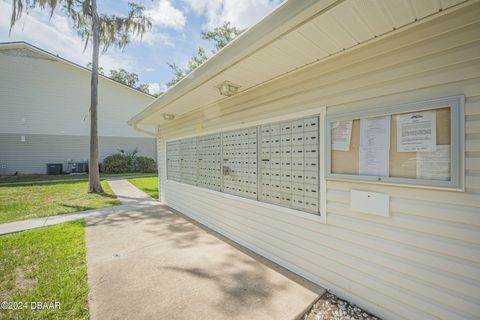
(136, 128)
(290, 15)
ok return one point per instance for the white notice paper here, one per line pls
(374, 150)
(374, 162)
(417, 132)
(434, 165)
(341, 134)
(375, 132)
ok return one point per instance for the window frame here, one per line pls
(457, 148)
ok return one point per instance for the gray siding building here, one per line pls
(44, 112)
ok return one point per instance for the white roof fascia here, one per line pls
(286, 17)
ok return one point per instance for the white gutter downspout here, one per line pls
(150, 133)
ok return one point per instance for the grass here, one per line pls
(45, 265)
(148, 185)
(22, 202)
(43, 177)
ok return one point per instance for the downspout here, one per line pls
(150, 133)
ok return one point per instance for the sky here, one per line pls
(174, 37)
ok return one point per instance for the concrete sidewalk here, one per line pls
(155, 263)
(131, 197)
(127, 193)
(18, 226)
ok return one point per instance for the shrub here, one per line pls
(124, 162)
(116, 163)
(130, 157)
(145, 164)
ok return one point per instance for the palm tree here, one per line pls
(99, 30)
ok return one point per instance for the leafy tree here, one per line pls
(99, 30)
(195, 61)
(220, 36)
(100, 69)
(178, 73)
(130, 79)
(145, 88)
(125, 77)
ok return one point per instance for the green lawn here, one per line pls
(149, 185)
(45, 265)
(48, 199)
(44, 177)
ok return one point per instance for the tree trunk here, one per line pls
(94, 174)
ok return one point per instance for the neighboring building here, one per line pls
(44, 112)
(255, 168)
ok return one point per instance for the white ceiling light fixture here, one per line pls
(168, 116)
(227, 88)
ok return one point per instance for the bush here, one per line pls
(124, 162)
(131, 158)
(145, 164)
(116, 163)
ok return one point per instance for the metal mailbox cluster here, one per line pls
(188, 161)
(208, 156)
(182, 161)
(289, 164)
(276, 163)
(239, 162)
(174, 161)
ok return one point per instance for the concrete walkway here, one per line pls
(131, 197)
(127, 193)
(146, 261)
(154, 263)
(18, 226)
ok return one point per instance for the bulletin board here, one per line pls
(438, 164)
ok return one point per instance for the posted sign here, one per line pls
(417, 132)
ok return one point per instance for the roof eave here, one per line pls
(287, 16)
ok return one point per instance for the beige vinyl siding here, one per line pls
(47, 101)
(41, 96)
(421, 262)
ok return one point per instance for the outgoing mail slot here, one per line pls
(370, 202)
